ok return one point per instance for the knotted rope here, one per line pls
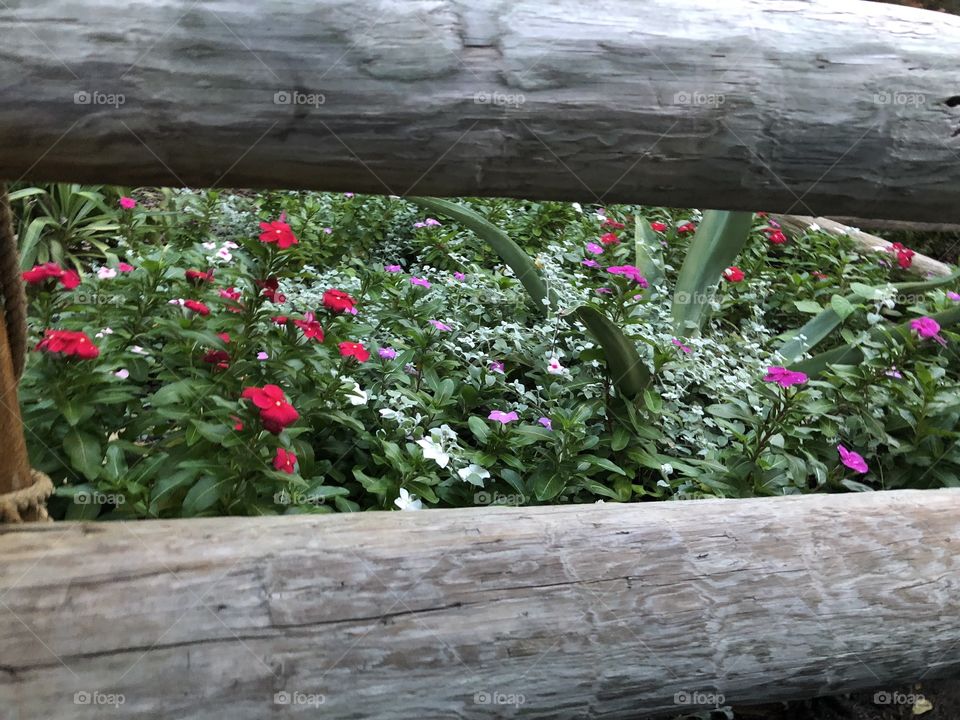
(23, 492)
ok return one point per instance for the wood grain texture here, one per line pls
(598, 611)
(817, 107)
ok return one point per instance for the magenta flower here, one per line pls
(125, 267)
(783, 377)
(387, 353)
(590, 263)
(459, 276)
(393, 268)
(603, 291)
(261, 356)
(852, 460)
(680, 345)
(546, 422)
(503, 417)
(894, 373)
(128, 203)
(497, 366)
(594, 248)
(348, 194)
(328, 230)
(441, 326)
(631, 272)
(928, 328)
(954, 296)
(422, 282)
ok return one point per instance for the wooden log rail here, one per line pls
(597, 611)
(814, 107)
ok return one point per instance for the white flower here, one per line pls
(209, 245)
(813, 227)
(406, 501)
(356, 396)
(554, 367)
(176, 301)
(666, 469)
(578, 207)
(473, 474)
(433, 450)
(105, 331)
(388, 414)
(138, 350)
(224, 254)
(122, 373)
(106, 273)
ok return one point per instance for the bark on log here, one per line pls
(600, 611)
(814, 106)
(922, 265)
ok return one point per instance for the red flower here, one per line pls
(733, 274)
(280, 320)
(608, 223)
(904, 255)
(609, 239)
(125, 267)
(285, 461)
(278, 232)
(354, 350)
(271, 290)
(761, 214)
(338, 301)
(198, 307)
(233, 294)
(686, 228)
(199, 276)
(68, 342)
(275, 412)
(819, 275)
(657, 226)
(311, 328)
(237, 423)
(220, 358)
(51, 271)
(775, 236)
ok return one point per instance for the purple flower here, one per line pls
(419, 225)
(441, 326)
(431, 222)
(393, 268)
(387, 353)
(594, 248)
(348, 194)
(603, 291)
(590, 263)
(546, 422)
(503, 417)
(681, 346)
(954, 296)
(852, 460)
(459, 276)
(783, 377)
(422, 282)
(894, 373)
(629, 271)
(497, 366)
(328, 231)
(261, 356)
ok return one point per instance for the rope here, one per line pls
(11, 287)
(28, 504)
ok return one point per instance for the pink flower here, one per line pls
(261, 356)
(459, 276)
(953, 296)
(657, 226)
(680, 345)
(629, 271)
(603, 291)
(784, 377)
(422, 282)
(594, 248)
(852, 460)
(393, 268)
(387, 353)
(497, 366)
(894, 373)
(441, 326)
(590, 263)
(125, 267)
(503, 417)
(928, 328)
(328, 230)
(546, 422)
(128, 203)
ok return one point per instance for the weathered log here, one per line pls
(922, 265)
(897, 225)
(814, 106)
(599, 611)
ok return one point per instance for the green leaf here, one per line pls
(203, 495)
(529, 434)
(841, 306)
(807, 306)
(648, 251)
(479, 429)
(511, 253)
(627, 371)
(715, 246)
(115, 467)
(84, 452)
(547, 487)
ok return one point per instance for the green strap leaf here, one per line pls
(716, 244)
(649, 254)
(511, 253)
(628, 372)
